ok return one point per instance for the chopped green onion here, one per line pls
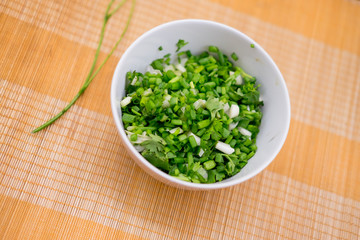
(196, 120)
(176, 122)
(204, 123)
(133, 137)
(182, 137)
(209, 164)
(192, 141)
(218, 158)
(234, 57)
(190, 158)
(128, 118)
(213, 49)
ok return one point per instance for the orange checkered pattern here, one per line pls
(75, 180)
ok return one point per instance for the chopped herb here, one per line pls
(209, 164)
(181, 43)
(195, 120)
(213, 49)
(252, 45)
(234, 57)
(192, 141)
(127, 118)
(160, 48)
(154, 153)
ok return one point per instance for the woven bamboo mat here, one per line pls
(75, 180)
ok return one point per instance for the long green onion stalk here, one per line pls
(92, 73)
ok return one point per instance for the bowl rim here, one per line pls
(172, 180)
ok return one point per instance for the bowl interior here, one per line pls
(200, 34)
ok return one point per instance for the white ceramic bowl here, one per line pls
(200, 34)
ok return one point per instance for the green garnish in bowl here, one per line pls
(196, 119)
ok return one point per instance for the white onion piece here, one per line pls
(147, 92)
(199, 103)
(224, 147)
(140, 138)
(134, 81)
(234, 111)
(151, 70)
(183, 61)
(139, 148)
(165, 104)
(175, 129)
(232, 126)
(180, 68)
(226, 108)
(238, 80)
(125, 101)
(244, 131)
(201, 152)
(169, 67)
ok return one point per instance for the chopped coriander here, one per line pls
(196, 119)
(252, 45)
(160, 48)
(181, 43)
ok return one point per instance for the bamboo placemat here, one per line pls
(75, 180)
